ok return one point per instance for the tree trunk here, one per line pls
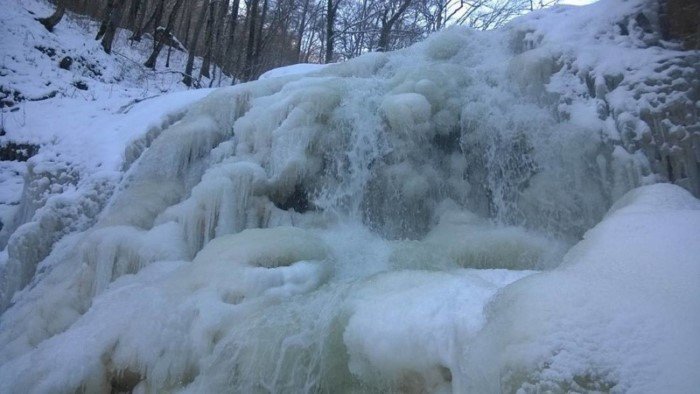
(113, 20)
(259, 43)
(192, 47)
(219, 43)
(301, 29)
(158, 16)
(151, 62)
(139, 26)
(250, 47)
(388, 24)
(188, 25)
(134, 9)
(105, 19)
(383, 42)
(208, 41)
(330, 29)
(232, 34)
(51, 21)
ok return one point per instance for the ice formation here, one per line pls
(395, 223)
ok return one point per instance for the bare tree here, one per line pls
(134, 9)
(208, 40)
(244, 40)
(231, 40)
(139, 26)
(160, 41)
(110, 23)
(331, 12)
(392, 13)
(251, 16)
(187, 80)
(51, 21)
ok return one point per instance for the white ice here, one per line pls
(396, 223)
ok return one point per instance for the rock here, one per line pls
(66, 63)
(80, 85)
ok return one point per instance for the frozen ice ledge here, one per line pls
(399, 222)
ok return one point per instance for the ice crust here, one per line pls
(395, 223)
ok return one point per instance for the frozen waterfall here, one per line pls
(396, 223)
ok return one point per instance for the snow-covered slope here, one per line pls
(61, 91)
(82, 114)
(395, 223)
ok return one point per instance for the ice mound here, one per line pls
(621, 314)
(261, 310)
(408, 327)
(252, 309)
(192, 305)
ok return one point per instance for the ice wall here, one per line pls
(344, 230)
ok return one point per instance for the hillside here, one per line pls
(66, 100)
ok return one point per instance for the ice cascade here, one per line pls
(394, 223)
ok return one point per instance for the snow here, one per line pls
(621, 312)
(398, 222)
(87, 138)
(114, 83)
(294, 69)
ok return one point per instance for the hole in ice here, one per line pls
(449, 142)
(445, 373)
(124, 381)
(297, 201)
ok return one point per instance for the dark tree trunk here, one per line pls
(301, 29)
(151, 62)
(388, 24)
(188, 25)
(331, 10)
(250, 47)
(139, 26)
(158, 16)
(219, 26)
(232, 34)
(187, 80)
(208, 41)
(259, 43)
(51, 21)
(113, 20)
(134, 9)
(105, 19)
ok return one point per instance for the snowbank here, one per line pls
(294, 69)
(621, 314)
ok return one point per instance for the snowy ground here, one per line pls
(477, 213)
(85, 116)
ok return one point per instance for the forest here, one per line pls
(243, 39)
